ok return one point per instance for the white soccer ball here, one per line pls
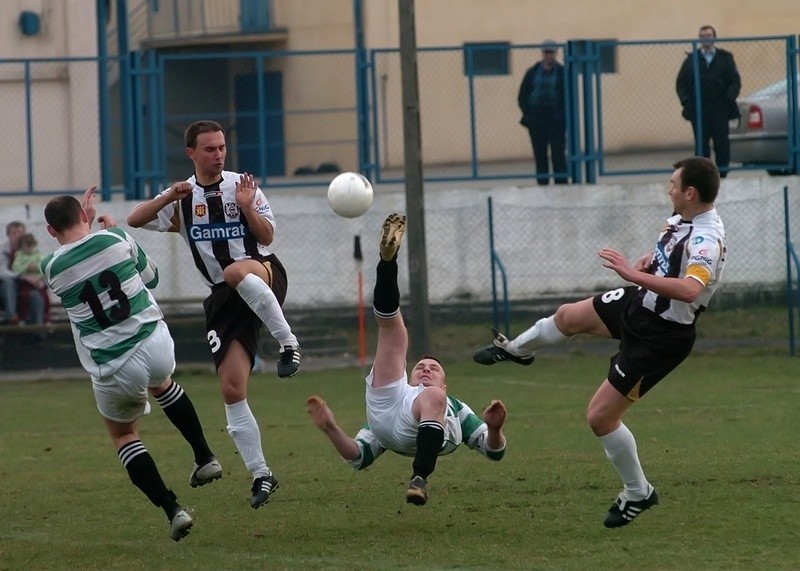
(350, 194)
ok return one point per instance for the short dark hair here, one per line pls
(702, 174)
(708, 27)
(63, 212)
(429, 357)
(198, 127)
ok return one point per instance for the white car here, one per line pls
(760, 136)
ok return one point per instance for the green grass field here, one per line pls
(718, 438)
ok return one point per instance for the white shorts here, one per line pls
(122, 397)
(390, 418)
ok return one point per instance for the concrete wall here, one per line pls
(547, 239)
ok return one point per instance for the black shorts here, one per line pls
(650, 347)
(229, 318)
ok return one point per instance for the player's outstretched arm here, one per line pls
(494, 416)
(148, 210)
(323, 418)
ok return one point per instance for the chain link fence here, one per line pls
(546, 239)
(295, 118)
(49, 111)
(638, 106)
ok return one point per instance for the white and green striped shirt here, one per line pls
(103, 280)
(473, 433)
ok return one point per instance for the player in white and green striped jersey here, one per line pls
(410, 414)
(123, 343)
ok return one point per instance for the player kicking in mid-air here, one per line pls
(123, 343)
(654, 320)
(413, 417)
(228, 225)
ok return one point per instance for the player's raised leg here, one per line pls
(252, 281)
(570, 319)
(390, 355)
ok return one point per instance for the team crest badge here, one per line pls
(199, 210)
(231, 210)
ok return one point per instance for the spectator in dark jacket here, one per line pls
(541, 99)
(719, 87)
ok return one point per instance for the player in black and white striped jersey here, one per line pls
(654, 320)
(228, 224)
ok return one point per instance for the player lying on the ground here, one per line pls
(414, 417)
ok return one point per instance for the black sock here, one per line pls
(143, 473)
(430, 437)
(180, 411)
(386, 295)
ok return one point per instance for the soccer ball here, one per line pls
(350, 194)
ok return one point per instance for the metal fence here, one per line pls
(546, 239)
(294, 118)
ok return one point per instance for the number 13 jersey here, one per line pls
(103, 281)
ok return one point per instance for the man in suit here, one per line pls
(719, 87)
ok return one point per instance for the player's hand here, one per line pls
(643, 263)
(88, 203)
(614, 260)
(246, 190)
(181, 189)
(320, 413)
(107, 221)
(495, 415)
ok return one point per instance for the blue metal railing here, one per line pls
(497, 265)
(142, 126)
(792, 285)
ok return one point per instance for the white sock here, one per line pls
(263, 302)
(243, 428)
(544, 332)
(620, 447)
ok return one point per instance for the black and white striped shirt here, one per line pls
(213, 226)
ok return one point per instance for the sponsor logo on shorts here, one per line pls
(619, 371)
(697, 240)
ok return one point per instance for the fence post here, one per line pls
(362, 64)
(793, 121)
(789, 256)
(102, 101)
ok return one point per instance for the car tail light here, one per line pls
(755, 118)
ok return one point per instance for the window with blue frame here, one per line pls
(486, 58)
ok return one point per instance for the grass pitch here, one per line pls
(718, 438)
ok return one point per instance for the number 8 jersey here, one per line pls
(103, 281)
